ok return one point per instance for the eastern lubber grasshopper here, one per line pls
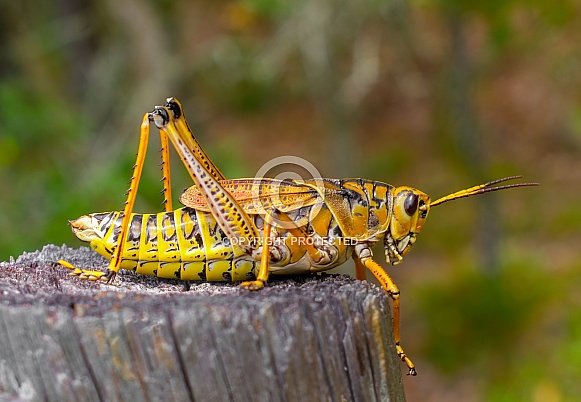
(245, 229)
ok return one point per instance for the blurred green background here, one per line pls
(438, 95)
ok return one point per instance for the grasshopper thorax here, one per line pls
(409, 212)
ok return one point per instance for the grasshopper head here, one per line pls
(411, 207)
(410, 210)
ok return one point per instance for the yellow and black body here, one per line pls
(188, 244)
(245, 229)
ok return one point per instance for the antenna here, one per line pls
(481, 189)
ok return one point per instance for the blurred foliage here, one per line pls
(438, 95)
(476, 318)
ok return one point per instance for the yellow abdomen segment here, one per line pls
(183, 244)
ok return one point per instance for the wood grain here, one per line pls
(316, 338)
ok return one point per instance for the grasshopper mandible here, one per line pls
(245, 229)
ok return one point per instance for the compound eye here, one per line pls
(410, 205)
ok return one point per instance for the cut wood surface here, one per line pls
(314, 338)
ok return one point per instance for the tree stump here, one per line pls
(314, 338)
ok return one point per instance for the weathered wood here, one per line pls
(326, 338)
